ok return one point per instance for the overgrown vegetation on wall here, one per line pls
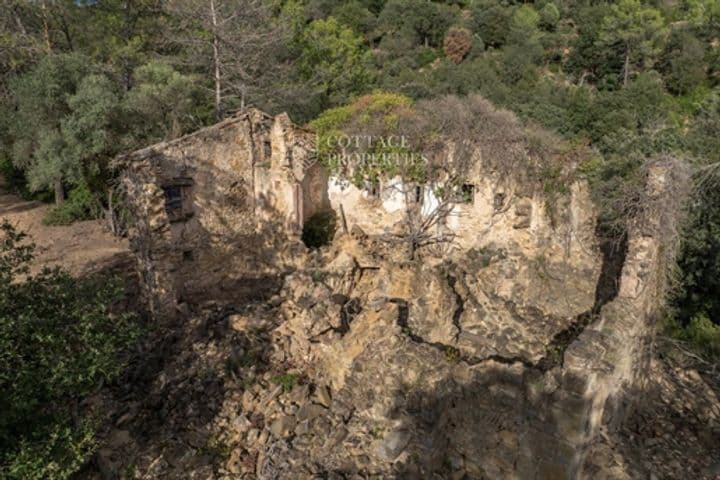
(81, 204)
(384, 134)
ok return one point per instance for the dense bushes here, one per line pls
(704, 335)
(694, 311)
(319, 229)
(81, 204)
(700, 335)
(58, 341)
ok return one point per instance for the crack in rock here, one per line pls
(402, 322)
(460, 302)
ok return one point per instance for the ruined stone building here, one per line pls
(497, 213)
(517, 356)
(214, 210)
(223, 205)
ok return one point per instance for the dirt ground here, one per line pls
(80, 248)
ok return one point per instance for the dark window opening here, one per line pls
(373, 189)
(178, 199)
(173, 198)
(467, 193)
(499, 201)
(188, 255)
(267, 149)
(419, 195)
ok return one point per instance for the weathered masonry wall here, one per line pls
(554, 242)
(218, 209)
(288, 180)
(604, 366)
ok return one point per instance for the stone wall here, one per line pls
(605, 364)
(290, 180)
(548, 245)
(218, 211)
(501, 207)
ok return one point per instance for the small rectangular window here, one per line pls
(178, 199)
(467, 194)
(499, 201)
(419, 195)
(372, 189)
(173, 198)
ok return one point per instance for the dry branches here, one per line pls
(457, 44)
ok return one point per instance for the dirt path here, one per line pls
(80, 248)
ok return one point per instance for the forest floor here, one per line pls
(81, 248)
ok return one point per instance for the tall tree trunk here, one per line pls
(46, 27)
(66, 32)
(59, 192)
(626, 68)
(127, 20)
(19, 23)
(128, 26)
(216, 60)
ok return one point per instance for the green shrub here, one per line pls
(287, 381)
(59, 455)
(16, 183)
(58, 342)
(701, 335)
(704, 335)
(425, 56)
(81, 204)
(381, 108)
(319, 230)
(549, 16)
(452, 354)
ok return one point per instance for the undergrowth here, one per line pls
(701, 335)
(81, 204)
